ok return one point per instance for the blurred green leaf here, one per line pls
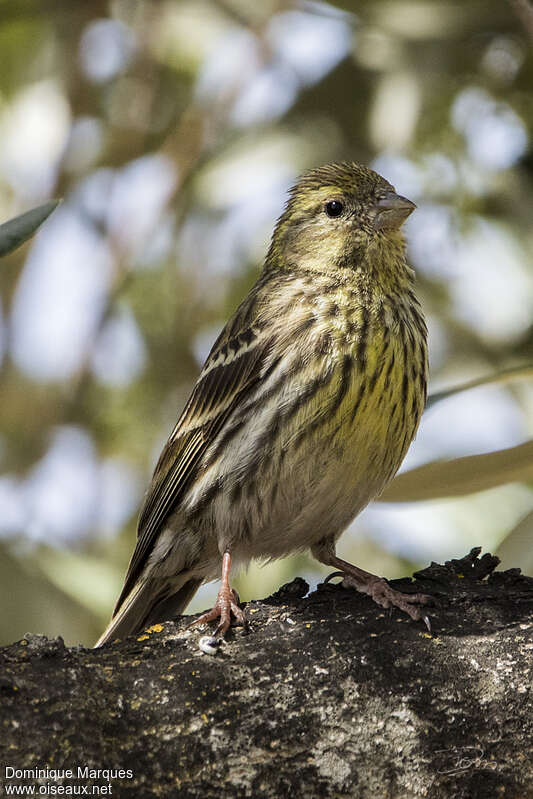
(16, 231)
(31, 603)
(461, 476)
(516, 549)
(90, 581)
(504, 376)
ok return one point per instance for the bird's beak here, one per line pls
(392, 210)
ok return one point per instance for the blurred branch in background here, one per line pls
(461, 476)
(503, 376)
(173, 130)
(524, 11)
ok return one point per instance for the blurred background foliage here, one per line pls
(172, 130)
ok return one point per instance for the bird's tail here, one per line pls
(147, 604)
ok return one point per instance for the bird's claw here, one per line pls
(226, 605)
(387, 597)
(333, 575)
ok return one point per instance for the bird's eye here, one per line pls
(334, 208)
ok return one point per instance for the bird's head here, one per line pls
(336, 215)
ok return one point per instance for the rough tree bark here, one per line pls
(327, 696)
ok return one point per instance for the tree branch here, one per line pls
(327, 696)
(524, 11)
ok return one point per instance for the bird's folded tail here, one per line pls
(147, 604)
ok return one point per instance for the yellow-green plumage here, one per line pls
(304, 409)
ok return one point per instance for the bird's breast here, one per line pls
(323, 435)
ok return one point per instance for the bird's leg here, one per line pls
(376, 587)
(227, 602)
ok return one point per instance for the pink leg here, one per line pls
(378, 588)
(227, 602)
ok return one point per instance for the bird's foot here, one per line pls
(382, 593)
(226, 605)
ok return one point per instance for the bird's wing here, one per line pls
(233, 367)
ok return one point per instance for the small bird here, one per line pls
(303, 411)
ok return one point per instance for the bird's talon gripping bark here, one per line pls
(387, 597)
(226, 605)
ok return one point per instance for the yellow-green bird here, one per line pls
(303, 411)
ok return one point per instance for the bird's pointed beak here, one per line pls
(392, 210)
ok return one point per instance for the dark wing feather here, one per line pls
(232, 369)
